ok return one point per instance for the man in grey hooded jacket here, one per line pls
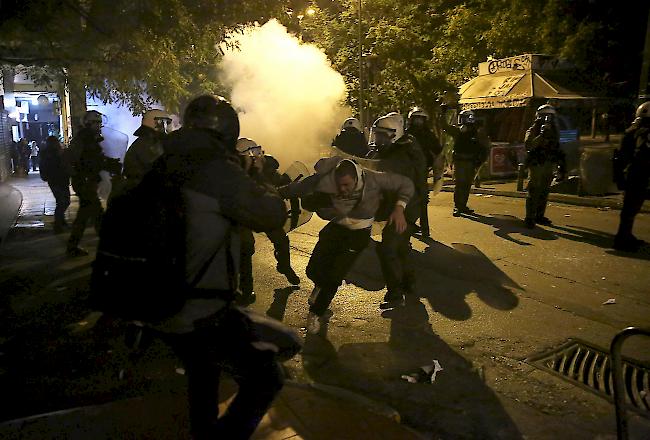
(348, 196)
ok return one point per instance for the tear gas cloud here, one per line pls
(289, 98)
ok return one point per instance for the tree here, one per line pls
(427, 48)
(130, 52)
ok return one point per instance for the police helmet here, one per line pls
(418, 111)
(159, 120)
(353, 123)
(390, 125)
(212, 112)
(466, 117)
(545, 109)
(248, 147)
(643, 111)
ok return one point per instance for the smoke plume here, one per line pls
(289, 97)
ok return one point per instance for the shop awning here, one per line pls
(511, 89)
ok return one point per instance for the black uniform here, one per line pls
(403, 157)
(471, 148)
(55, 171)
(86, 161)
(431, 148)
(142, 153)
(351, 141)
(632, 173)
(268, 176)
(544, 155)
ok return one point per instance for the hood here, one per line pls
(326, 168)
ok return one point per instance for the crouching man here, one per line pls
(348, 196)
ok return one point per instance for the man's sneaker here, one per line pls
(392, 304)
(543, 221)
(456, 212)
(314, 294)
(291, 275)
(529, 223)
(76, 252)
(466, 210)
(313, 323)
(392, 299)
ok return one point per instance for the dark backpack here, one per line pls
(138, 273)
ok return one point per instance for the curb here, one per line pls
(11, 200)
(567, 199)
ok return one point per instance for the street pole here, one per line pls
(644, 93)
(361, 116)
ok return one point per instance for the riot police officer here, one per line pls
(148, 146)
(632, 174)
(542, 143)
(471, 148)
(418, 127)
(86, 160)
(264, 170)
(351, 139)
(398, 153)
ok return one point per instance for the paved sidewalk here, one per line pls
(509, 189)
(302, 411)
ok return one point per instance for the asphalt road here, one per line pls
(491, 294)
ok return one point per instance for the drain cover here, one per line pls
(590, 367)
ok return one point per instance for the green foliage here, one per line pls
(423, 50)
(131, 52)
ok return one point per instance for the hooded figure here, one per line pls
(349, 197)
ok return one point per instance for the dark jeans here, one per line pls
(247, 249)
(248, 346)
(61, 192)
(337, 249)
(281, 250)
(280, 247)
(393, 252)
(90, 208)
(424, 212)
(635, 193)
(464, 172)
(539, 186)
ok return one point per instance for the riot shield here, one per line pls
(114, 146)
(298, 216)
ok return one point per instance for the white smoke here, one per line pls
(289, 97)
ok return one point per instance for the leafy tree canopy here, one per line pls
(134, 52)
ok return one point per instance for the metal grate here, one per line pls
(590, 367)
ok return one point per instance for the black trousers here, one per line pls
(333, 256)
(635, 193)
(393, 252)
(464, 172)
(249, 347)
(90, 209)
(61, 192)
(281, 251)
(539, 187)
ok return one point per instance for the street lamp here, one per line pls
(361, 116)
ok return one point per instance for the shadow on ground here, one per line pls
(445, 276)
(457, 405)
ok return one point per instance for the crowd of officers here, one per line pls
(249, 197)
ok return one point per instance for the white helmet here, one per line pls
(418, 111)
(643, 111)
(248, 147)
(391, 124)
(545, 109)
(159, 120)
(352, 122)
(466, 117)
